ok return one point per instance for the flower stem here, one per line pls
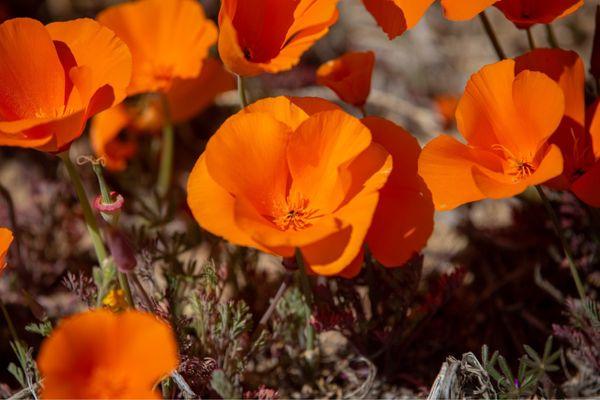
(241, 85)
(145, 295)
(274, 301)
(9, 323)
(124, 283)
(551, 36)
(90, 219)
(563, 241)
(489, 29)
(530, 39)
(168, 146)
(308, 297)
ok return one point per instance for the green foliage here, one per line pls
(43, 328)
(26, 373)
(531, 369)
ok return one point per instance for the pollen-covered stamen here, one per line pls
(295, 214)
(520, 169)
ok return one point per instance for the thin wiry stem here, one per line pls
(90, 219)
(551, 36)
(241, 85)
(563, 241)
(165, 172)
(9, 323)
(271, 309)
(531, 39)
(489, 30)
(308, 297)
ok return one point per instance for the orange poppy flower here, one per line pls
(498, 161)
(578, 135)
(186, 98)
(102, 355)
(6, 238)
(525, 13)
(54, 77)
(397, 16)
(349, 76)
(259, 36)
(446, 107)
(309, 178)
(403, 220)
(167, 39)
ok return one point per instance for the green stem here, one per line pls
(551, 36)
(308, 297)
(489, 30)
(531, 39)
(168, 146)
(9, 323)
(124, 283)
(241, 85)
(90, 219)
(141, 289)
(563, 242)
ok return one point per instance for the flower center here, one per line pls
(295, 214)
(520, 169)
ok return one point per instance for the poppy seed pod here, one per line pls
(121, 250)
(111, 211)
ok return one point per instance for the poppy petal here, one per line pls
(161, 36)
(317, 149)
(291, 111)
(349, 76)
(6, 238)
(403, 221)
(213, 207)
(445, 164)
(189, 97)
(32, 83)
(587, 187)
(253, 166)
(107, 60)
(461, 10)
(104, 129)
(397, 16)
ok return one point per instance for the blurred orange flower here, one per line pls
(349, 76)
(54, 77)
(186, 98)
(397, 16)
(403, 220)
(168, 40)
(499, 160)
(525, 13)
(446, 107)
(578, 135)
(259, 36)
(101, 355)
(309, 178)
(6, 238)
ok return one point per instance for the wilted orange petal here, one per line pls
(587, 187)
(6, 238)
(461, 10)
(349, 76)
(98, 354)
(167, 39)
(403, 220)
(397, 16)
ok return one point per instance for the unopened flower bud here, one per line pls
(121, 250)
